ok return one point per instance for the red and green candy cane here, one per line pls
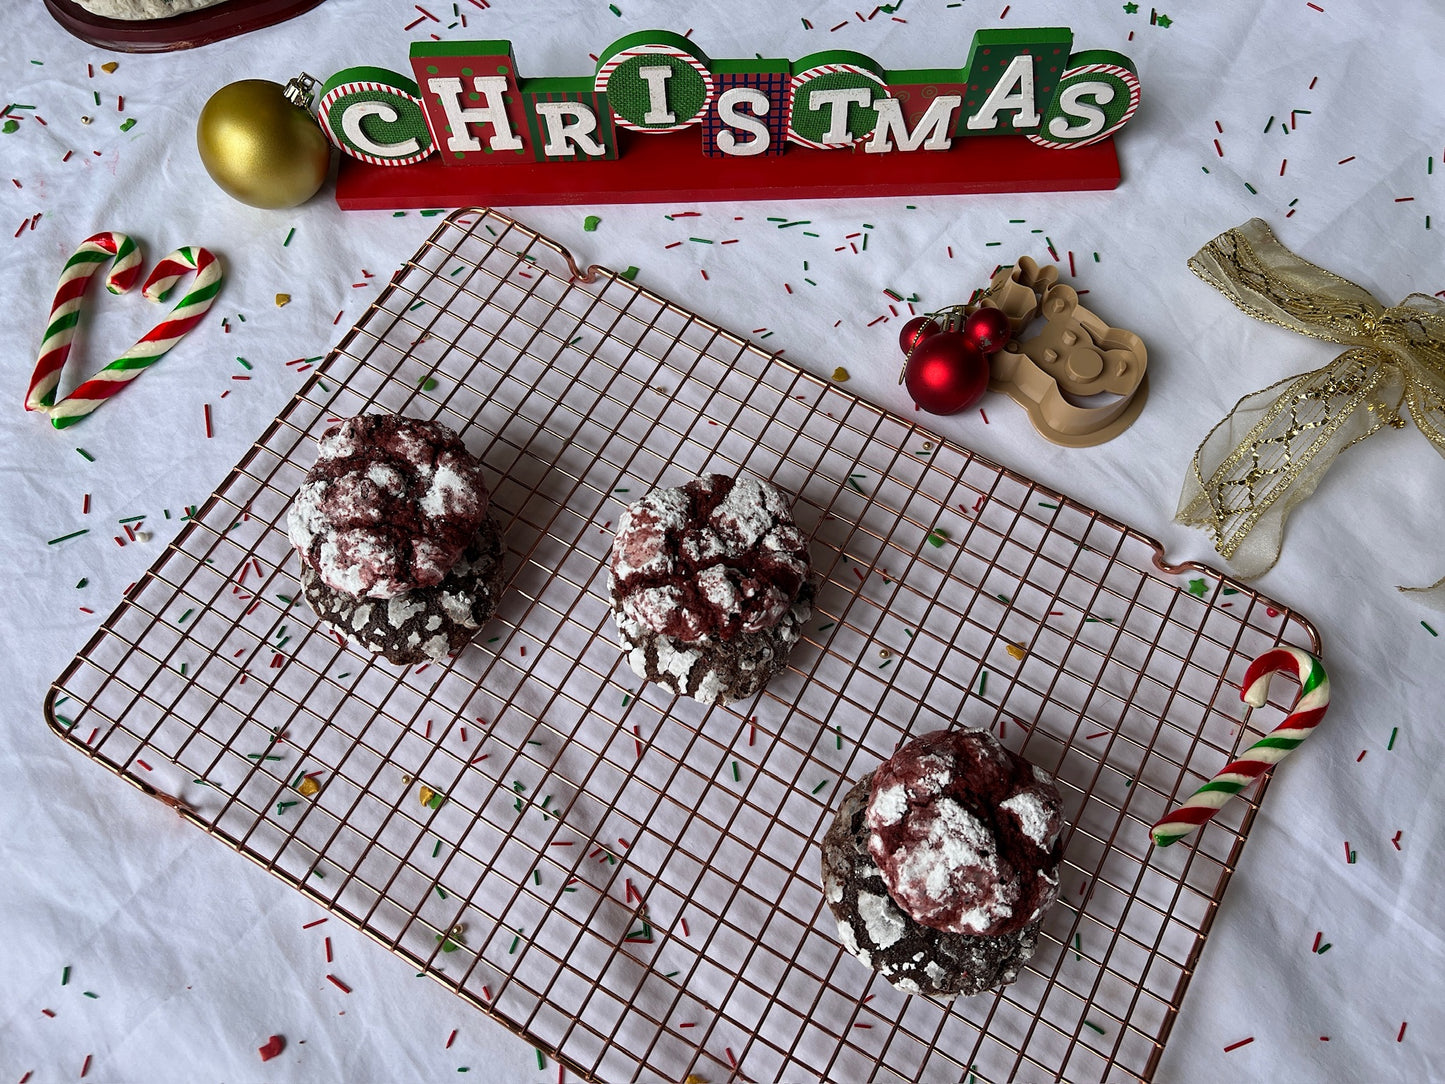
(152, 346)
(94, 252)
(1263, 754)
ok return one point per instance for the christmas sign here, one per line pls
(660, 120)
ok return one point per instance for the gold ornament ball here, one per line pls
(259, 148)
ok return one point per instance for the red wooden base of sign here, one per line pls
(671, 168)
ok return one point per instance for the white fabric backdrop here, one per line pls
(196, 956)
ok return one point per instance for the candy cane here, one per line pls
(154, 344)
(1263, 754)
(65, 309)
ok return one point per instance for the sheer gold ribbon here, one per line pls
(1276, 444)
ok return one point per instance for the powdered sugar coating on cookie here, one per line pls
(715, 558)
(389, 506)
(965, 833)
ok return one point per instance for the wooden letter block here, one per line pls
(568, 121)
(469, 91)
(749, 115)
(655, 81)
(833, 99)
(1097, 96)
(1012, 76)
(375, 115)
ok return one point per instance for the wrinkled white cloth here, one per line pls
(1326, 123)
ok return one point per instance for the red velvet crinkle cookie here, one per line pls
(389, 506)
(966, 833)
(709, 586)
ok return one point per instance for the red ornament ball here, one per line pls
(915, 331)
(946, 373)
(988, 329)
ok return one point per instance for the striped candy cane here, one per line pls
(65, 309)
(154, 344)
(1263, 754)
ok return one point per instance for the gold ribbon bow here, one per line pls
(1276, 444)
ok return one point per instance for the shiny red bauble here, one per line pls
(915, 331)
(946, 373)
(988, 329)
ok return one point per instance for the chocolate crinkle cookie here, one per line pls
(398, 551)
(710, 586)
(940, 866)
(389, 506)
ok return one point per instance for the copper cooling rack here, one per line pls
(629, 880)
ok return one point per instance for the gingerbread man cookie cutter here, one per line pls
(1081, 381)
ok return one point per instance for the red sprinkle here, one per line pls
(1400, 1038)
(341, 985)
(328, 950)
(1236, 1046)
(209, 432)
(85, 1066)
(1361, 756)
(317, 922)
(451, 1039)
(274, 1045)
(1316, 946)
(48, 1012)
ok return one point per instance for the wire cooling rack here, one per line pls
(631, 880)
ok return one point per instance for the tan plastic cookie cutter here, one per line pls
(1075, 356)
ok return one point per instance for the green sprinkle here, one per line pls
(799, 222)
(937, 537)
(437, 849)
(1004, 599)
(1252, 190)
(66, 537)
(431, 212)
(542, 1058)
(418, 305)
(442, 892)
(737, 776)
(826, 627)
(590, 223)
(182, 619)
(89, 994)
(131, 519)
(289, 234)
(427, 383)
(515, 942)
(670, 974)
(629, 274)
(1268, 123)
(820, 786)
(127, 124)
(839, 728)
(65, 976)
(615, 10)
(86, 455)
(700, 240)
(1323, 949)
(264, 756)
(982, 682)
(281, 807)
(854, 484)
(1096, 1027)
(244, 364)
(536, 876)
(1393, 732)
(1078, 946)
(1046, 504)
(626, 698)
(1428, 629)
(885, 664)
